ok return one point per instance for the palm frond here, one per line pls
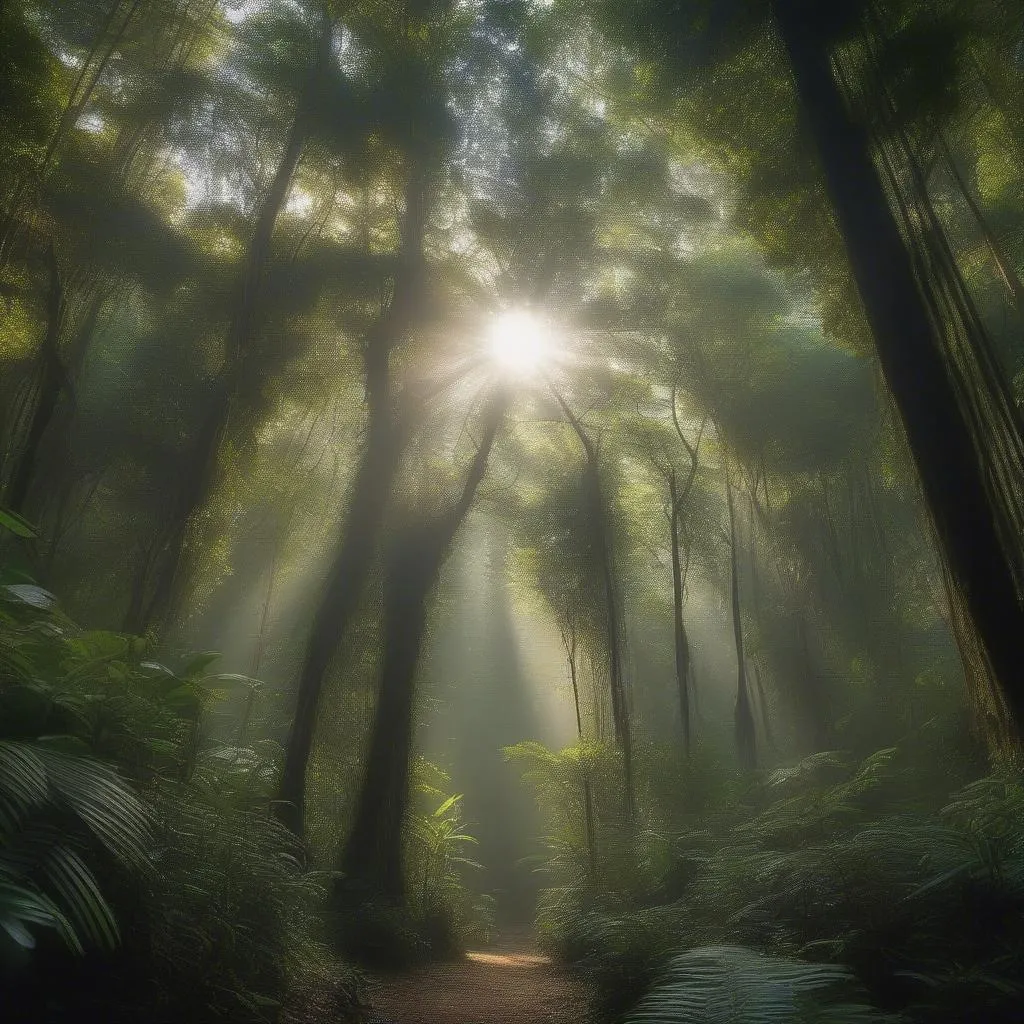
(737, 985)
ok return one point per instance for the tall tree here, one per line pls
(597, 519)
(743, 716)
(417, 49)
(909, 352)
(413, 559)
(231, 397)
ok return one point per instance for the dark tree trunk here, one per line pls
(373, 854)
(682, 646)
(52, 382)
(196, 481)
(762, 701)
(371, 491)
(346, 581)
(588, 794)
(746, 736)
(620, 706)
(230, 398)
(910, 355)
(372, 860)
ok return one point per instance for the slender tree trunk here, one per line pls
(746, 736)
(51, 385)
(230, 396)
(603, 555)
(682, 646)
(762, 700)
(911, 355)
(87, 81)
(1006, 269)
(588, 794)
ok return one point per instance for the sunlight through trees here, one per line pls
(478, 465)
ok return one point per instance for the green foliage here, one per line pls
(845, 869)
(234, 194)
(439, 868)
(732, 984)
(195, 897)
(17, 525)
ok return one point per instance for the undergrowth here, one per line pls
(138, 858)
(901, 873)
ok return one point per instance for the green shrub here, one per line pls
(143, 845)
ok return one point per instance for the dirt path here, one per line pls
(513, 984)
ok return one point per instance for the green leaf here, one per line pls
(447, 805)
(198, 662)
(17, 525)
(30, 594)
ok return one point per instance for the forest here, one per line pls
(511, 511)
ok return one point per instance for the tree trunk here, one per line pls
(51, 384)
(228, 398)
(910, 355)
(603, 554)
(682, 646)
(373, 853)
(346, 580)
(372, 861)
(746, 736)
(588, 794)
(196, 481)
(371, 490)
(620, 707)
(762, 700)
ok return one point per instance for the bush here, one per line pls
(138, 857)
(866, 866)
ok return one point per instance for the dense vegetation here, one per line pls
(589, 436)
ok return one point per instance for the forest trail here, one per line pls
(509, 983)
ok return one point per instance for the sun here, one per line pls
(519, 342)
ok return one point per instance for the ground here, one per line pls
(511, 983)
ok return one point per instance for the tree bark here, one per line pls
(603, 555)
(682, 646)
(229, 398)
(372, 860)
(371, 491)
(910, 355)
(762, 700)
(346, 580)
(51, 384)
(569, 639)
(746, 736)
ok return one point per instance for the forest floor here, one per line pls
(509, 983)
